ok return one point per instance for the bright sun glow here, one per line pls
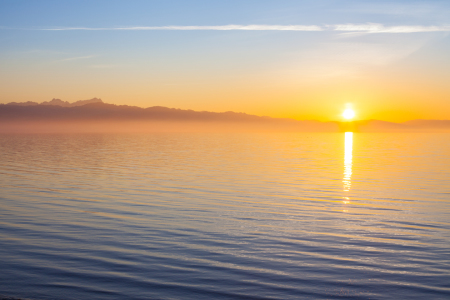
(348, 114)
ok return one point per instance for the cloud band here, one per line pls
(362, 28)
(222, 27)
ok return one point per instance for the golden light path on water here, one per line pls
(348, 164)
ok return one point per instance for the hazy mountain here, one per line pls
(58, 102)
(379, 126)
(57, 115)
(441, 124)
(96, 116)
(408, 126)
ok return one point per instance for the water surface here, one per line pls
(225, 216)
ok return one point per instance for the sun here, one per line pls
(348, 114)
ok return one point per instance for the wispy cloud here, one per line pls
(351, 28)
(380, 28)
(221, 27)
(76, 58)
(106, 66)
(365, 28)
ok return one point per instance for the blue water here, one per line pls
(225, 216)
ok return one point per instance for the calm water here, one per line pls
(213, 216)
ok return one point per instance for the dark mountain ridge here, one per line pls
(95, 111)
(58, 102)
(98, 110)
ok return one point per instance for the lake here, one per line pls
(225, 216)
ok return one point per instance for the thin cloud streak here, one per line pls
(380, 28)
(222, 27)
(75, 58)
(363, 28)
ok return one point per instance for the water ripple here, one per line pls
(205, 216)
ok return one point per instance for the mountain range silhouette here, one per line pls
(85, 114)
(58, 102)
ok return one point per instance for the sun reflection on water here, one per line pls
(348, 158)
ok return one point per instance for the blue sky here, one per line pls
(301, 59)
(109, 13)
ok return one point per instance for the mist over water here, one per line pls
(225, 216)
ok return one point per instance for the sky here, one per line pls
(307, 60)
